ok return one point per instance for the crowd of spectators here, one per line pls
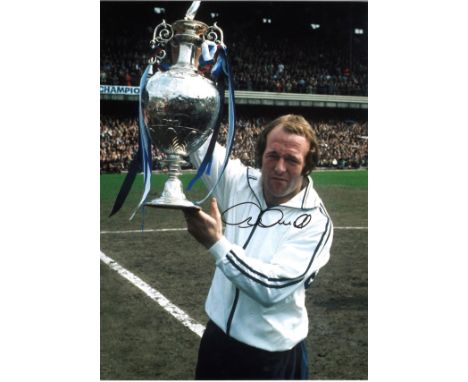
(343, 143)
(119, 141)
(304, 64)
(295, 67)
(260, 66)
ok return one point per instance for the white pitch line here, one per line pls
(185, 229)
(147, 230)
(155, 295)
(350, 227)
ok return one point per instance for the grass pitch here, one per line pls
(139, 340)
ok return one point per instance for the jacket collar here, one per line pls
(307, 198)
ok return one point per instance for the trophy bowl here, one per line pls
(181, 108)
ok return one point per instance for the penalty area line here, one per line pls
(155, 295)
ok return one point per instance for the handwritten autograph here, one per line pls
(266, 218)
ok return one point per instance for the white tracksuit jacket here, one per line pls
(266, 258)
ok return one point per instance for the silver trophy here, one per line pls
(181, 106)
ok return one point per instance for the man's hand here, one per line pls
(205, 228)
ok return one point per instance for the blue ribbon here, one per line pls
(145, 144)
(221, 67)
(143, 155)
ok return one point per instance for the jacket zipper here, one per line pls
(236, 297)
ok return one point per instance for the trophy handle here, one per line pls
(215, 34)
(163, 33)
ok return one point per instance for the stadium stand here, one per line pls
(343, 143)
(291, 57)
(287, 56)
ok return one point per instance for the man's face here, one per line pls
(282, 164)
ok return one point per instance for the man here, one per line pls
(277, 236)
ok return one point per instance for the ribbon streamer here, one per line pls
(145, 144)
(221, 66)
(141, 160)
(190, 15)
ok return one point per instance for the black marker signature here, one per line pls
(275, 216)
